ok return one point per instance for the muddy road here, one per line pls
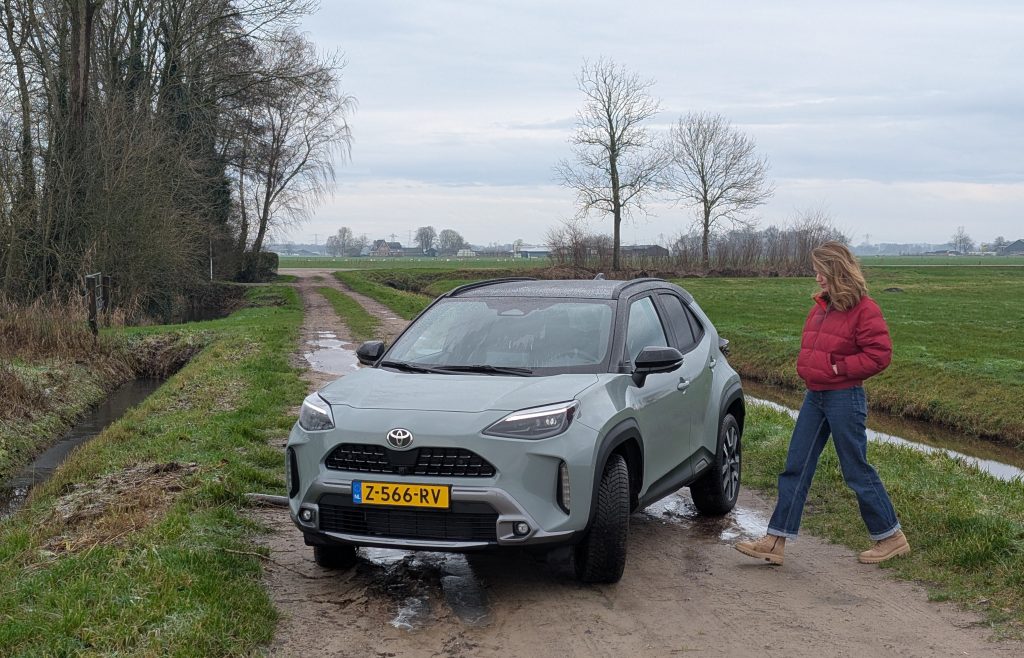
(685, 590)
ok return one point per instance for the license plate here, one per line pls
(405, 495)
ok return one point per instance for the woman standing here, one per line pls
(845, 341)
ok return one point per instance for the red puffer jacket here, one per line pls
(856, 341)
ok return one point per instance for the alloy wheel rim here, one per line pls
(731, 465)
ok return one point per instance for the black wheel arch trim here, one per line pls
(733, 393)
(624, 432)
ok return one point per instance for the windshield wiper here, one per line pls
(490, 370)
(405, 366)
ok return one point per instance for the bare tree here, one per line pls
(300, 121)
(715, 169)
(961, 241)
(425, 236)
(616, 160)
(450, 241)
(340, 243)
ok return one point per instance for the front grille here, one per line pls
(464, 522)
(441, 462)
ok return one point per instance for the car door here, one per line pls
(696, 376)
(660, 405)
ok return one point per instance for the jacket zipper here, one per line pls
(818, 332)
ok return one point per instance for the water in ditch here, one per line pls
(13, 492)
(1000, 461)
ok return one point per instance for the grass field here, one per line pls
(958, 335)
(142, 570)
(946, 261)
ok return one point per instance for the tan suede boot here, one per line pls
(884, 549)
(769, 548)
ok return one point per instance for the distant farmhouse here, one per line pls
(1015, 248)
(385, 248)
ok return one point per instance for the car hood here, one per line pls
(376, 388)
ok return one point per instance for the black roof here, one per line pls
(573, 288)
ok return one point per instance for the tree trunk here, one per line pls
(705, 252)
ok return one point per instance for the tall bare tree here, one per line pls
(616, 160)
(450, 241)
(425, 236)
(300, 124)
(715, 169)
(961, 241)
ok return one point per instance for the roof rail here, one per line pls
(632, 282)
(480, 284)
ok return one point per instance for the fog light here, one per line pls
(521, 528)
(563, 486)
(306, 515)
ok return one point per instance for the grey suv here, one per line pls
(521, 413)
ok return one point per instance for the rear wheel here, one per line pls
(335, 557)
(716, 491)
(601, 556)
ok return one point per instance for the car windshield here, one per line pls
(511, 332)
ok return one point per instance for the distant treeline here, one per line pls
(146, 139)
(771, 251)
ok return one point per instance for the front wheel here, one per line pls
(716, 491)
(601, 556)
(335, 557)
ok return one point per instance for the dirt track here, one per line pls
(685, 591)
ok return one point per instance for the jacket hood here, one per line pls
(376, 388)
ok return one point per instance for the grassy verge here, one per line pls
(168, 570)
(361, 324)
(966, 527)
(404, 304)
(958, 334)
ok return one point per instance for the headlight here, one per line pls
(536, 423)
(316, 414)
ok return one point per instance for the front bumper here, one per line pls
(509, 514)
(523, 488)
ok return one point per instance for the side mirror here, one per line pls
(653, 360)
(369, 352)
(723, 345)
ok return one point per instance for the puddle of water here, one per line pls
(331, 355)
(679, 509)
(463, 593)
(1002, 463)
(413, 614)
(407, 572)
(14, 492)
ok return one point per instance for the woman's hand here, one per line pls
(835, 369)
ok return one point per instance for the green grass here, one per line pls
(958, 337)
(361, 324)
(966, 527)
(946, 261)
(186, 583)
(410, 263)
(404, 304)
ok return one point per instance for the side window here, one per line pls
(678, 322)
(698, 328)
(644, 328)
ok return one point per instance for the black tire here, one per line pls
(335, 557)
(716, 491)
(601, 556)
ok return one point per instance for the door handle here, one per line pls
(713, 363)
(683, 384)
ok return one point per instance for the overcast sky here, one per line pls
(903, 119)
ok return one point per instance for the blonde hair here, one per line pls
(841, 271)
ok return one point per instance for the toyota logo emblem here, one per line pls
(399, 438)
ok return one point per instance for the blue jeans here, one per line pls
(841, 413)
